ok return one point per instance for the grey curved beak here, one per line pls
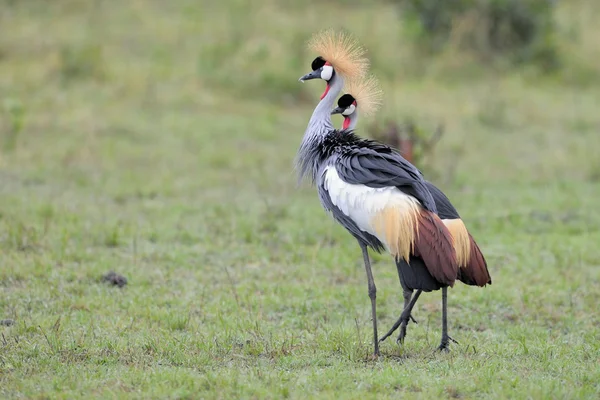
(311, 75)
(337, 110)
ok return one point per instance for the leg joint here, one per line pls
(372, 291)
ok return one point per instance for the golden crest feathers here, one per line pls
(367, 93)
(342, 51)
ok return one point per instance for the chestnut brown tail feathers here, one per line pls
(475, 273)
(434, 244)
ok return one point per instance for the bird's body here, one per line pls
(473, 268)
(383, 202)
(414, 274)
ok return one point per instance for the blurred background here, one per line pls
(157, 138)
(100, 85)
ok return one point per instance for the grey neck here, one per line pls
(319, 125)
(353, 120)
(322, 113)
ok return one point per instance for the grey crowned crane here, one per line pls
(379, 197)
(364, 96)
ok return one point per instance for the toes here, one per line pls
(400, 339)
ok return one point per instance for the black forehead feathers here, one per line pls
(345, 101)
(317, 63)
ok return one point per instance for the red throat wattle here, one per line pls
(346, 123)
(326, 91)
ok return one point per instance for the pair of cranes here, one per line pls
(378, 196)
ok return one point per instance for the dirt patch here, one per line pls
(115, 279)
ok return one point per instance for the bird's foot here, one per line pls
(387, 335)
(402, 334)
(401, 322)
(444, 345)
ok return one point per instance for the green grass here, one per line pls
(157, 140)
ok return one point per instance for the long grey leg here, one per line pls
(372, 296)
(403, 320)
(407, 295)
(445, 338)
(406, 292)
(406, 316)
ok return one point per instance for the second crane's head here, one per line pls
(340, 57)
(362, 95)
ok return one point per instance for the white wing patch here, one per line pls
(363, 204)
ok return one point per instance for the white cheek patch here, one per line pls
(327, 72)
(349, 110)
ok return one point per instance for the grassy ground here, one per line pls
(157, 140)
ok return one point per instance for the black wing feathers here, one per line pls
(375, 165)
(445, 208)
(416, 276)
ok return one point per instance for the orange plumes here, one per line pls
(342, 51)
(461, 240)
(367, 93)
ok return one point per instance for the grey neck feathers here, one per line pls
(307, 160)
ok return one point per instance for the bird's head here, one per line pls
(339, 55)
(346, 106)
(321, 69)
(362, 95)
